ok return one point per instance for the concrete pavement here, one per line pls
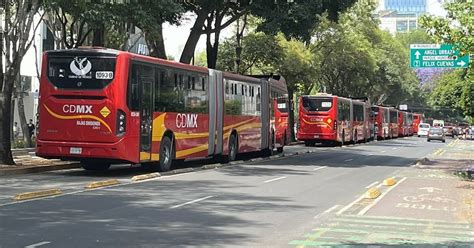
(260, 204)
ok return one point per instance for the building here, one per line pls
(402, 15)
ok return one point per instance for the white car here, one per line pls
(423, 129)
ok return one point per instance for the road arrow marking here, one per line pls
(417, 54)
(430, 189)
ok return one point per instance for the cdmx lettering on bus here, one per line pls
(186, 120)
(77, 109)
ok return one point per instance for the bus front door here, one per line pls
(146, 116)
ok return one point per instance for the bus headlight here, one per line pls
(121, 123)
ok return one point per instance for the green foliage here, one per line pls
(296, 19)
(454, 91)
(259, 53)
(457, 28)
(416, 36)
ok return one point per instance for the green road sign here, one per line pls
(436, 56)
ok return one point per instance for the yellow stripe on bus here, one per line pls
(317, 122)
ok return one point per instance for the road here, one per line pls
(255, 204)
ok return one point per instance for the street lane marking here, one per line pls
(332, 208)
(383, 151)
(442, 152)
(274, 179)
(38, 244)
(191, 202)
(395, 148)
(347, 160)
(351, 204)
(372, 184)
(368, 207)
(319, 168)
(370, 154)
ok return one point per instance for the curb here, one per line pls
(100, 184)
(37, 194)
(35, 169)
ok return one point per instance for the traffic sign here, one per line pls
(436, 56)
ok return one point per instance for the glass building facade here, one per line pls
(406, 6)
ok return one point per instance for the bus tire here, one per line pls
(280, 149)
(95, 166)
(233, 148)
(166, 154)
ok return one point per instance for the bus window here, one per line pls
(317, 104)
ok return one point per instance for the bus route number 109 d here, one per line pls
(104, 74)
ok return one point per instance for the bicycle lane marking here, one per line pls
(420, 198)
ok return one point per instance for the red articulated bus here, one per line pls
(393, 125)
(360, 121)
(402, 123)
(410, 124)
(382, 122)
(416, 121)
(279, 111)
(324, 118)
(102, 106)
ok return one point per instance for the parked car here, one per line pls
(423, 129)
(436, 133)
(449, 131)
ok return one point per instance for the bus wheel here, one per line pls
(308, 143)
(233, 148)
(280, 149)
(166, 154)
(95, 166)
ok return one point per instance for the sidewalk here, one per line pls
(27, 162)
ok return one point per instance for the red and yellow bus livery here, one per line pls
(324, 118)
(102, 106)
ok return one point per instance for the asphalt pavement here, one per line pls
(254, 204)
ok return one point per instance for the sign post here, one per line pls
(436, 56)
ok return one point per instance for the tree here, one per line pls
(457, 29)
(16, 40)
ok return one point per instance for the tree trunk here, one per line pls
(21, 114)
(5, 124)
(98, 36)
(157, 44)
(193, 38)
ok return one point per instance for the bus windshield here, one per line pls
(81, 72)
(322, 104)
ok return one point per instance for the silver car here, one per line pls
(436, 133)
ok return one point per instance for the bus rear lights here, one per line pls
(329, 120)
(121, 123)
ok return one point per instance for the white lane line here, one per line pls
(372, 184)
(370, 154)
(191, 202)
(363, 211)
(38, 244)
(350, 205)
(347, 160)
(383, 151)
(395, 148)
(332, 208)
(319, 168)
(274, 179)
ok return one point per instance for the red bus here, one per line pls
(416, 121)
(393, 125)
(280, 123)
(382, 122)
(279, 111)
(360, 121)
(410, 124)
(324, 118)
(402, 123)
(102, 106)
